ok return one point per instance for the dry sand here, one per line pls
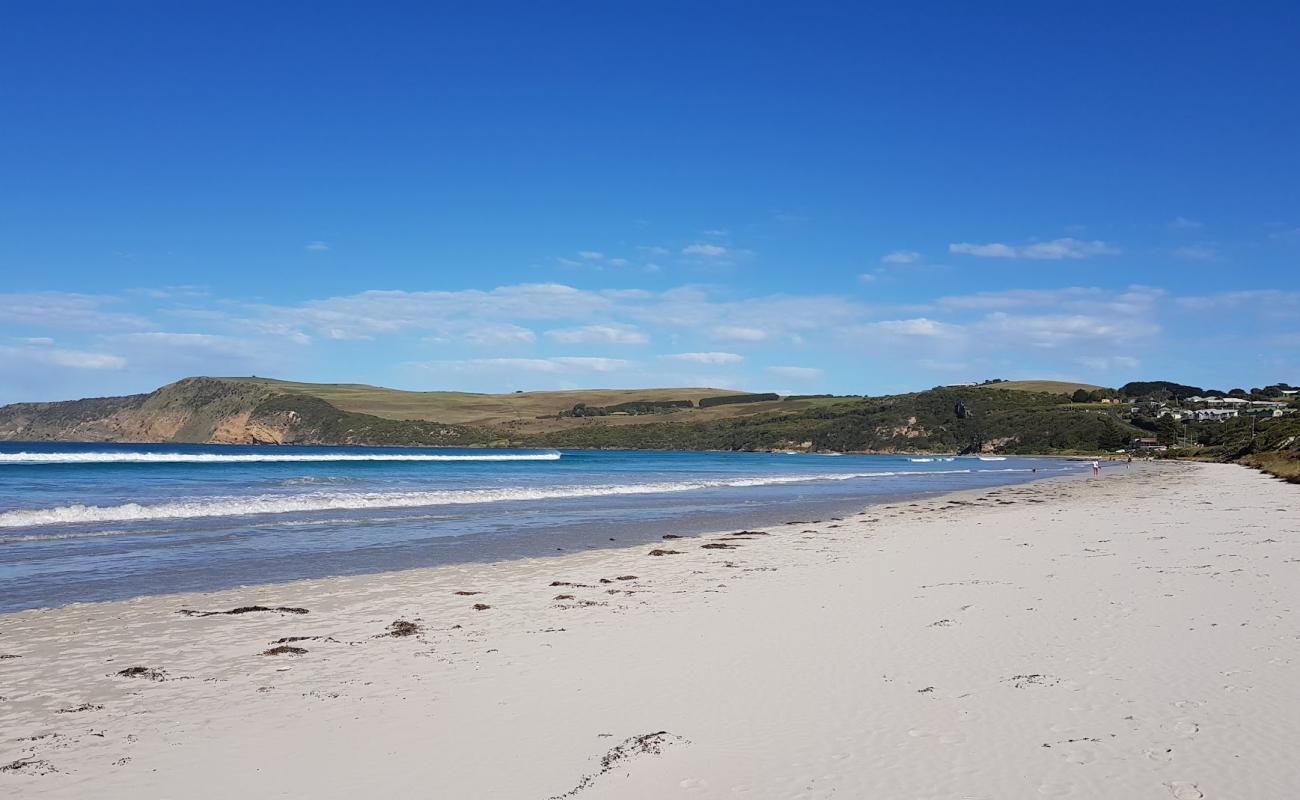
(1133, 636)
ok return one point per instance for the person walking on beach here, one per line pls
(1096, 469)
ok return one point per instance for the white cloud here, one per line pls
(503, 335)
(1060, 330)
(705, 250)
(1184, 224)
(56, 357)
(913, 327)
(599, 334)
(1109, 363)
(66, 311)
(543, 365)
(714, 358)
(899, 257)
(993, 250)
(1019, 298)
(590, 255)
(192, 340)
(316, 247)
(78, 359)
(1258, 300)
(41, 341)
(382, 312)
(617, 262)
(1197, 252)
(739, 333)
(1055, 250)
(796, 373)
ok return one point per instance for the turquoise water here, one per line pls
(86, 522)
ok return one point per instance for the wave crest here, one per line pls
(252, 458)
(339, 501)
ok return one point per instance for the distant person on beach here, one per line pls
(1096, 469)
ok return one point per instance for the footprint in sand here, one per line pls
(1182, 790)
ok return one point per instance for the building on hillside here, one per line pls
(1146, 443)
(1214, 414)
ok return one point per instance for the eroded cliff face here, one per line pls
(281, 427)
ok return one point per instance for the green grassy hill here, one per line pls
(994, 418)
(952, 419)
(1052, 387)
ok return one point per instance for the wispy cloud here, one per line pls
(901, 257)
(1184, 224)
(67, 311)
(41, 353)
(920, 326)
(317, 247)
(599, 334)
(1197, 252)
(1055, 250)
(712, 358)
(544, 365)
(503, 335)
(705, 250)
(803, 374)
(739, 333)
(1109, 363)
(1256, 300)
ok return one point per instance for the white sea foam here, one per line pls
(249, 458)
(336, 501)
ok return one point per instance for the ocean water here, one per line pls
(88, 522)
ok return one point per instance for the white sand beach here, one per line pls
(1130, 636)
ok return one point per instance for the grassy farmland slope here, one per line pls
(518, 413)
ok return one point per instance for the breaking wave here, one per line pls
(248, 458)
(340, 501)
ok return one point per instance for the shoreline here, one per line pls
(998, 642)
(851, 508)
(561, 527)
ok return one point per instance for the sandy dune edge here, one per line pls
(1132, 636)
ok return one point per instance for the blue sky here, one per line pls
(788, 197)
